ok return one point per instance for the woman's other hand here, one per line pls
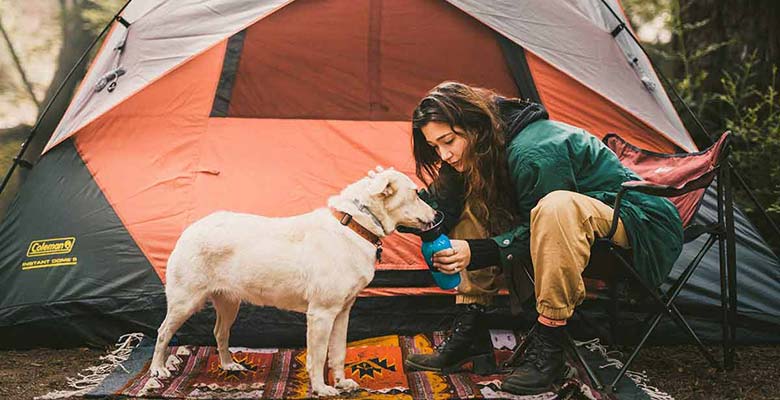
(454, 260)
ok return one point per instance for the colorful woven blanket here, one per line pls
(376, 364)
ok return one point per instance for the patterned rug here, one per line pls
(376, 364)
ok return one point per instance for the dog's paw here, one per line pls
(347, 385)
(325, 390)
(159, 372)
(234, 366)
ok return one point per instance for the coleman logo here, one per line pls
(47, 247)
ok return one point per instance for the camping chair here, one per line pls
(682, 178)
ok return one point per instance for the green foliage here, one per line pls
(97, 13)
(752, 113)
(644, 13)
(745, 101)
(690, 80)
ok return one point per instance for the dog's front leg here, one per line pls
(337, 350)
(319, 325)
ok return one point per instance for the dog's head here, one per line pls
(392, 198)
(388, 198)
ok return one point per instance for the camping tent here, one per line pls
(270, 107)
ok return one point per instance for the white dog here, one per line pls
(314, 263)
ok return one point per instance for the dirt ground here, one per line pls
(677, 370)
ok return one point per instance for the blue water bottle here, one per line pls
(433, 241)
(434, 245)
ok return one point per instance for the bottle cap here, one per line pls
(433, 231)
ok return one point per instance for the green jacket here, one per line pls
(544, 156)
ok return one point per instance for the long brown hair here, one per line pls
(475, 111)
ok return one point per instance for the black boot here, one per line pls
(542, 364)
(469, 340)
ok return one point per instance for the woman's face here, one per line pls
(449, 144)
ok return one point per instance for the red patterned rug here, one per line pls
(376, 364)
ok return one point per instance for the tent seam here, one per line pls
(157, 78)
(675, 142)
(111, 202)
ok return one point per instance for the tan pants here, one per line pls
(481, 285)
(564, 226)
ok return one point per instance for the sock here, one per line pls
(549, 322)
(555, 333)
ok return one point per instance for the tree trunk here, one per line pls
(750, 24)
(76, 38)
(747, 26)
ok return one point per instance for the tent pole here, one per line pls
(660, 73)
(18, 159)
(695, 119)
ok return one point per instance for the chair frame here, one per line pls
(722, 231)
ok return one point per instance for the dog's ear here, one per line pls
(373, 172)
(381, 185)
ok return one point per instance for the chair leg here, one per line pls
(648, 332)
(682, 323)
(674, 313)
(613, 311)
(666, 306)
(677, 317)
(519, 350)
(588, 370)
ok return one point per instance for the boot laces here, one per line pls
(443, 345)
(538, 352)
(467, 315)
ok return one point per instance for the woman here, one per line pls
(527, 192)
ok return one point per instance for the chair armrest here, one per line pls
(653, 189)
(616, 212)
(656, 189)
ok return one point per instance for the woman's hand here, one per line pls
(454, 260)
